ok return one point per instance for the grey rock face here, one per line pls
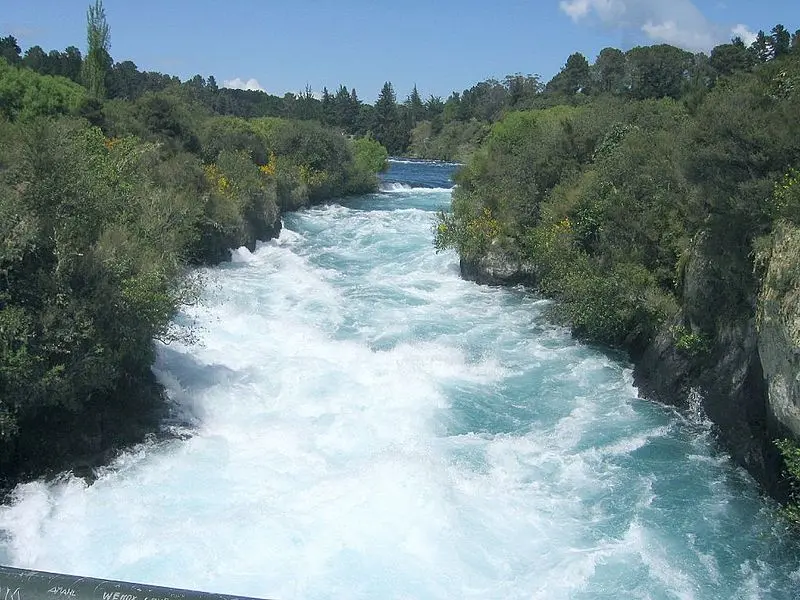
(779, 329)
(498, 267)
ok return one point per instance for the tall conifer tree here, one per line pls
(98, 59)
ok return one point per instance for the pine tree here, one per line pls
(389, 127)
(415, 107)
(781, 40)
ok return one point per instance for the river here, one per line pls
(362, 423)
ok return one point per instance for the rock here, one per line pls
(662, 373)
(779, 329)
(498, 267)
(719, 298)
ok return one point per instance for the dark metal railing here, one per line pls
(22, 584)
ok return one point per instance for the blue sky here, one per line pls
(441, 45)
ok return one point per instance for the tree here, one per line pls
(124, 81)
(386, 116)
(434, 108)
(658, 71)
(572, 78)
(781, 41)
(56, 61)
(521, 87)
(328, 115)
(365, 119)
(609, 71)
(342, 110)
(10, 50)
(727, 59)
(36, 60)
(389, 127)
(72, 63)
(415, 107)
(762, 47)
(484, 101)
(307, 107)
(98, 60)
(451, 110)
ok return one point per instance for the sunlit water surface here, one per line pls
(368, 425)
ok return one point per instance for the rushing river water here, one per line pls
(368, 425)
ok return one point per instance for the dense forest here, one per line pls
(655, 195)
(113, 183)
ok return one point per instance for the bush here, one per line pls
(689, 343)
(92, 267)
(370, 156)
(25, 95)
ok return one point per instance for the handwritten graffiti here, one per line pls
(118, 596)
(61, 591)
(9, 594)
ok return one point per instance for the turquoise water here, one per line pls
(368, 425)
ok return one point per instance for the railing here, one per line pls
(22, 584)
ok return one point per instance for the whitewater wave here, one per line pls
(407, 189)
(422, 161)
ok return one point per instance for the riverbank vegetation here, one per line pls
(643, 192)
(113, 183)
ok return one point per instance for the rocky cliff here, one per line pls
(778, 327)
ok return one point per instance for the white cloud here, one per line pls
(669, 32)
(743, 31)
(575, 8)
(605, 9)
(240, 84)
(677, 22)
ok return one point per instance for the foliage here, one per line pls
(470, 237)
(98, 60)
(691, 343)
(90, 268)
(786, 197)
(658, 71)
(603, 196)
(389, 126)
(573, 78)
(456, 140)
(25, 95)
(791, 457)
(103, 206)
(370, 155)
(232, 133)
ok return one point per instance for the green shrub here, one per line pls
(25, 95)
(370, 156)
(689, 343)
(471, 237)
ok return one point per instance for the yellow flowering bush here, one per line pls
(218, 181)
(271, 166)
